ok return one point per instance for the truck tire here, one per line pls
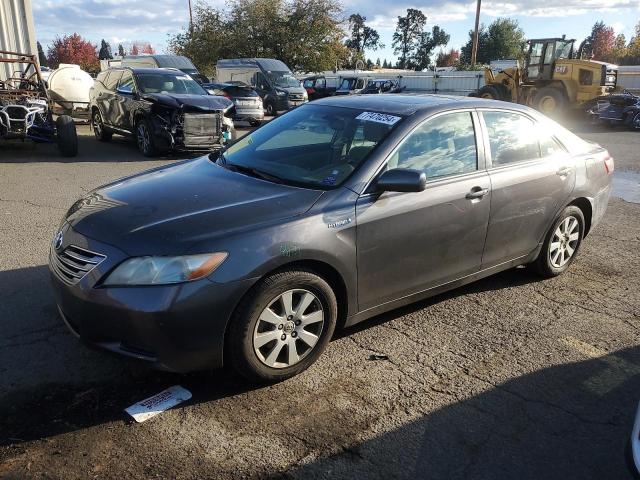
(550, 101)
(489, 91)
(66, 135)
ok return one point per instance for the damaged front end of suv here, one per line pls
(191, 124)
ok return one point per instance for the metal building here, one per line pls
(17, 30)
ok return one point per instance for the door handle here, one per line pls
(564, 171)
(477, 192)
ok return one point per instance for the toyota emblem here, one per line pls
(57, 241)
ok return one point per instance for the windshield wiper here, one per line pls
(254, 172)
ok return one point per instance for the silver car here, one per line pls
(249, 107)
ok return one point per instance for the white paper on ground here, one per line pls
(152, 406)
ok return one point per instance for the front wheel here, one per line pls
(271, 109)
(561, 244)
(67, 136)
(282, 326)
(634, 121)
(99, 130)
(145, 139)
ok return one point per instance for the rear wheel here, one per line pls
(145, 139)
(562, 243)
(254, 123)
(99, 130)
(550, 101)
(271, 109)
(634, 121)
(282, 326)
(67, 136)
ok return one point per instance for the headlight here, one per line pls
(164, 270)
(281, 93)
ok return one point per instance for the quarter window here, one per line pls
(126, 82)
(512, 137)
(112, 79)
(445, 145)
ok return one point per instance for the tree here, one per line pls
(385, 64)
(448, 59)
(148, 49)
(503, 39)
(42, 58)
(428, 42)
(134, 50)
(121, 50)
(73, 49)
(408, 35)
(362, 36)
(378, 64)
(105, 51)
(283, 29)
(600, 44)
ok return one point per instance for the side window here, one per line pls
(308, 84)
(445, 145)
(511, 136)
(112, 79)
(261, 81)
(321, 83)
(549, 147)
(126, 83)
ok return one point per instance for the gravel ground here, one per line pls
(510, 377)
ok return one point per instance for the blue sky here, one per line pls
(125, 21)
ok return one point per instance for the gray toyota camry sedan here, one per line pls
(330, 214)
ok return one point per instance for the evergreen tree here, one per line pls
(121, 50)
(42, 58)
(105, 51)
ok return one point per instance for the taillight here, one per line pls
(608, 164)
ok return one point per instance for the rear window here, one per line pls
(241, 91)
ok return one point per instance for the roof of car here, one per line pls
(407, 103)
(150, 70)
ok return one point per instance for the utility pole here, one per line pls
(191, 18)
(474, 46)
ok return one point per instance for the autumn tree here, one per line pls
(448, 59)
(148, 49)
(105, 51)
(134, 50)
(600, 44)
(73, 49)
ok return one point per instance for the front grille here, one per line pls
(296, 97)
(201, 128)
(73, 263)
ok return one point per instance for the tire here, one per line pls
(99, 130)
(67, 136)
(145, 139)
(268, 360)
(490, 92)
(551, 260)
(633, 121)
(550, 101)
(254, 123)
(271, 109)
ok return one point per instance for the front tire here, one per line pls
(99, 130)
(67, 136)
(145, 139)
(561, 243)
(550, 101)
(282, 326)
(489, 92)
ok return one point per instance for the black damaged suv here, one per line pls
(165, 109)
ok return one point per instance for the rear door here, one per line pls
(110, 97)
(410, 242)
(531, 176)
(123, 102)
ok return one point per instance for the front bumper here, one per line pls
(175, 327)
(285, 103)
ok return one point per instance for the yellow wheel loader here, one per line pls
(551, 81)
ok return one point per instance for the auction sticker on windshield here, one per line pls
(378, 118)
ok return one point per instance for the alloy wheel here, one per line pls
(564, 242)
(143, 137)
(636, 121)
(97, 124)
(288, 329)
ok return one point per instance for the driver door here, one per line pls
(411, 242)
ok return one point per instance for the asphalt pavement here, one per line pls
(510, 377)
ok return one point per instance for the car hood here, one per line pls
(170, 209)
(189, 102)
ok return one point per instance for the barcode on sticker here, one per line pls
(152, 406)
(378, 118)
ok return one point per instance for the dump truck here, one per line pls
(551, 80)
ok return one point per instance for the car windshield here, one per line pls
(178, 83)
(314, 146)
(284, 79)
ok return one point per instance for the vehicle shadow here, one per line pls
(50, 383)
(567, 421)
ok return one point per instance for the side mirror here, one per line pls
(402, 180)
(124, 91)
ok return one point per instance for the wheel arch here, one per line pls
(585, 206)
